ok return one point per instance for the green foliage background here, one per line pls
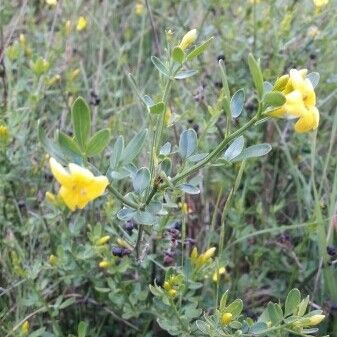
(272, 237)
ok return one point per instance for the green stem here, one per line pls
(122, 199)
(214, 153)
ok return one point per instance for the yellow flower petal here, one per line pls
(97, 187)
(308, 122)
(69, 198)
(80, 174)
(59, 172)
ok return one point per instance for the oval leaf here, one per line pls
(292, 302)
(141, 180)
(98, 142)
(254, 151)
(237, 103)
(80, 114)
(189, 189)
(178, 55)
(160, 66)
(256, 73)
(234, 149)
(274, 98)
(187, 143)
(134, 147)
(185, 74)
(314, 78)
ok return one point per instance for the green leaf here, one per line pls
(166, 166)
(116, 152)
(37, 333)
(235, 308)
(144, 218)
(302, 308)
(189, 189)
(185, 74)
(275, 313)
(274, 98)
(200, 49)
(134, 147)
(292, 302)
(253, 152)
(68, 143)
(178, 55)
(235, 148)
(237, 103)
(80, 113)
(157, 108)
(256, 73)
(141, 180)
(160, 66)
(187, 143)
(67, 303)
(82, 329)
(314, 78)
(197, 157)
(126, 214)
(258, 328)
(98, 142)
(223, 301)
(165, 150)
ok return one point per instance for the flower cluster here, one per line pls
(201, 260)
(172, 285)
(300, 100)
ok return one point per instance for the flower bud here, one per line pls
(188, 39)
(25, 327)
(315, 319)
(226, 318)
(52, 260)
(104, 264)
(103, 240)
(50, 197)
(172, 293)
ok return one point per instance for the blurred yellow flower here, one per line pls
(103, 240)
(104, 264)
(52, 260)
(218, 273)
(188, 39)
(51, 2)
(320, 3)
(202, 259)
(25, 327)
(300, 100)
(139, 8)
(4, 134)
(78, 185)
(82, 23)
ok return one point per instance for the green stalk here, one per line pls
(122, 199)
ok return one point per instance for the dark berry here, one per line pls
(117, 251)
(331, 250)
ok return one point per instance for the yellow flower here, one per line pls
(188, 39)
(139, 8)
(52, 260)
(104, 264)
(82, 23)
(51, 2)
(315, 319)
(202, 259)
(51, 81)
(320, 3)
(103, 240)
(226, 318)
(74, 73)
(25, 327)
(4, 134)
(300, 100)
(217, 273)
(78, 185)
